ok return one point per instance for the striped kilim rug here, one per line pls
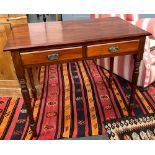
(75, 102)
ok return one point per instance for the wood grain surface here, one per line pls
(66, 33)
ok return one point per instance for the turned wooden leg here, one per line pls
(111, 71)
(134, 82)
(20, 72)
(27, 100)
(33, 89)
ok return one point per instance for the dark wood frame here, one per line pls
(20, 68)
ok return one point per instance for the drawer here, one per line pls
(117, 48)
(52, 56)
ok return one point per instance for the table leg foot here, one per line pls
(34, 130)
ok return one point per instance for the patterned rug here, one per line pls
(76, 101)
(133, 128)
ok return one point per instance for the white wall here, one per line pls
(75, 16)
(87, 16)
(147, 15)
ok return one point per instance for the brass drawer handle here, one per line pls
(53, 56)
(113, 49)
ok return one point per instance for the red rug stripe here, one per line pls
(14, 120)
(101, 115)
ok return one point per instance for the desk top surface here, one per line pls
(68, 33)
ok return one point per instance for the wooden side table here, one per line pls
(59, 42)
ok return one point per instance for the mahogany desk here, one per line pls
(59, 42)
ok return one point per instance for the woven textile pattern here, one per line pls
(76, 101)
(134, 128)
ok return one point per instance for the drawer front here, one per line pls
(110, 49)
(52, 56)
